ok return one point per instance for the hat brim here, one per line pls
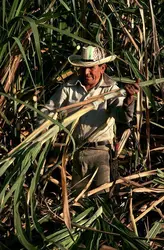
(77, 61)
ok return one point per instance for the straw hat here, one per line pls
(90, 57)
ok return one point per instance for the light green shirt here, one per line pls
(74, 91)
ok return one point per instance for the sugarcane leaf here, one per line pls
(148, 93)
(42, 114)
(155, 230)
(6, 165)
(36, 36)
(133, 62)
(142, 83)
(156, 124)
(24, 56)
(27, 158)
(17, 218)
(128, 235)
(82, 215)
(65, 5)
(13, 9)
(3, 12)
(151, 82)
(69, 34)
(94, 217)
(33, 187)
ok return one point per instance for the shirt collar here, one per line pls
(106, 81)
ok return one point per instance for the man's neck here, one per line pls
(89, 86)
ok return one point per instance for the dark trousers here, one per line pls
(85, 163)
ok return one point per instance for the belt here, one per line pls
(96, 144)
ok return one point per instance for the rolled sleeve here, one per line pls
(121, 112)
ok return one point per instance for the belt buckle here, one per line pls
(96, 144)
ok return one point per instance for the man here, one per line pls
(92, 81)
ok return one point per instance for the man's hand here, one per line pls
(131, 90)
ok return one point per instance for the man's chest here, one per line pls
(81, 94)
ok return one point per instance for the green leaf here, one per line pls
(23, 164)
(17, 219)
(13, 9)
(133, 63)
(151, 82)
(5, 166)
(69, 34)
(94, 217)
(36, 36)
(148, 93)
(24, 56)
(142, 84)
(155, 230)
(33, 187)
(3, 12)
(82, 215)
(24, 143)
(65, 5)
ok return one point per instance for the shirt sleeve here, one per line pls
(57, 100)
(117, 109)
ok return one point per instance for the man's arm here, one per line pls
(122, 108)
(57, 100)
(131, 90)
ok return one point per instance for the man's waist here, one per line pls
(97, 144)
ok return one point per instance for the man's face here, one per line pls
(91, 76)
